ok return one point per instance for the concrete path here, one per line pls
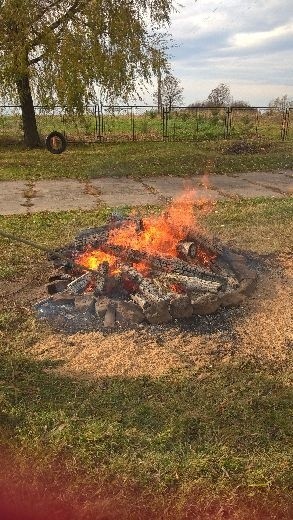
(22, 197)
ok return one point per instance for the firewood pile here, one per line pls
(132, 271)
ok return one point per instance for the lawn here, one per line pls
(142, 159)
(195, 425)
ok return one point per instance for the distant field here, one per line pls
(131, 124)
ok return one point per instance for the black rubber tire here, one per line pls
(63, 143)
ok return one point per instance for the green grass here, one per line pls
(139, 159)
(207, 124)
(197, 436)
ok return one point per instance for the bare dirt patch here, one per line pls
(261, 328)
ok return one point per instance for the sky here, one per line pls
(247, 45)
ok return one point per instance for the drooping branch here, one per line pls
(46, 9)
(64, 18)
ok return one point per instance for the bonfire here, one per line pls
(153, 269)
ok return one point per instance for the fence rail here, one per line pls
(113, 123)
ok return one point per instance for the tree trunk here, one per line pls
(159, 89)
(30, 130)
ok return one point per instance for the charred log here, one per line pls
(186, 250)
(160, 263)
(79, 284)
(204, 243)
(101, 277)
(145, 285)
(194, 283)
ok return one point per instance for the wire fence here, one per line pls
(105, 123)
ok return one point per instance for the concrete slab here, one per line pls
(288, 173)
(277, 181)
(61, 195)
(237, 187)
(173, 187)
(124, 192)
(11, 198)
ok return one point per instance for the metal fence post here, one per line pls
(285, 124)
(132, 124)
(256, 122)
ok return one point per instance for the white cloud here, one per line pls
(253, 39)
(247, 45)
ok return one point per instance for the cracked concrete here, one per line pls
(12, 198)
(20, 197)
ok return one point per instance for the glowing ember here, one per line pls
(176, 287)
(204, 257)
(93, 259)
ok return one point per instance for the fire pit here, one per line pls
(153, 270)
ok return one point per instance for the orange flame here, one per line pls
(160, 235)
(93, 259)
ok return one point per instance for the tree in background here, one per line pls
(162, 43)
(219, 96)
(281, 103)
(239, 103)
(58, 51)
(170, 93)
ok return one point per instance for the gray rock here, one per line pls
(232, 298)
(159, 313)
(248, 285)
(101, 306)
(128, 312)
(181, 307)
(206, 304)
(85, 302)
(110, 316)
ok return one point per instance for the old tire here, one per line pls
(56, 142)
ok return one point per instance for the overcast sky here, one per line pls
(247, 44)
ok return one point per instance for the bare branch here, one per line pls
(37, 59)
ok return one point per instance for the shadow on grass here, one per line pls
(225, 431)
(228, 426)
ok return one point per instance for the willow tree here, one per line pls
(59, 51)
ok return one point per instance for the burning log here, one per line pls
(152, 301)
(203, 243)
(101, 277)
(146, 287)
(94, 237)
(161, 263)
(186, 249)
(98, 277)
